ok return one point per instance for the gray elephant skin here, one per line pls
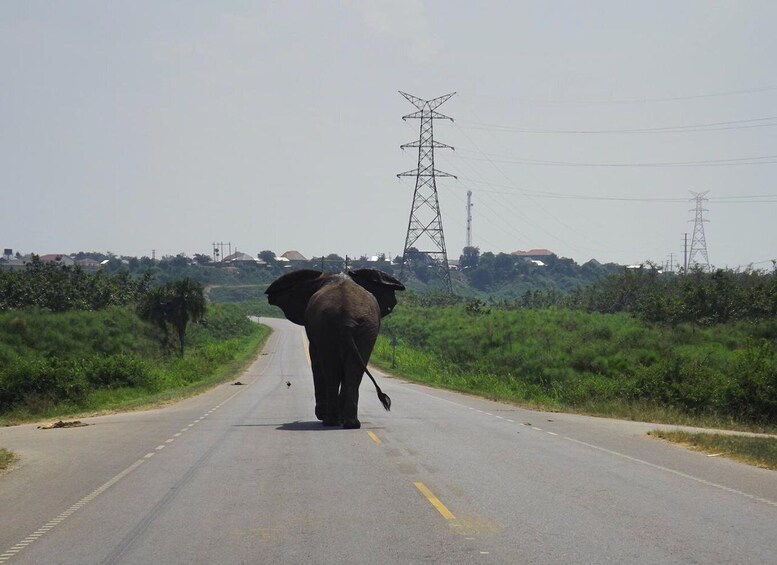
(341, 313)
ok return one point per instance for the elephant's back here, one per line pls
(342, 304)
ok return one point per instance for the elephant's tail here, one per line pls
(382, 396)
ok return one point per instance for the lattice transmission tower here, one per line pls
(698, 241)
(424, 229)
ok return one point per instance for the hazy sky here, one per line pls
(580, 127)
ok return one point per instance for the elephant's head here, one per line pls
(380, 285)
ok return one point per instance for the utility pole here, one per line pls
(424, 228)
(469, 218)
(685, 253)
(218, 250)
(698, 241)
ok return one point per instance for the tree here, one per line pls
(201, 259)
(267, 256)
(469, 257)
(175, 304)
(333, 262)
(187, 303)
(153, 308)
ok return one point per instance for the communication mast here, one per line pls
(469, 218)
(424, 229)
(698, 241)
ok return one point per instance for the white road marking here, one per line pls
(633, 459)
(674, 472)
(67, 513)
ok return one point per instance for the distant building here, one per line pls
(88, 264)
(13, 263)
(239, 258)
(59, 259)
(294, 256)
(538, 254)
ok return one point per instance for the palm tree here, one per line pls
(175, 303)
(153, 307)
(187, 303)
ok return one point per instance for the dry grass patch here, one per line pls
(6, 458)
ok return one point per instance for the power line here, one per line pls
(648, 100)
(532, 193)
(710, 126)
(760, 160)
(539, 206)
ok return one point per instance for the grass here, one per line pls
(76, 364)
(758, 451)
(601, 364)
(6, 458)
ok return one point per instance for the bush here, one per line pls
(116, 371)
(571, 358)
(71, 358)
(42, 382)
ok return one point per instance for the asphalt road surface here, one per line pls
(245, 474)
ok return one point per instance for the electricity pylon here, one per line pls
(698, 241)
(424, 229)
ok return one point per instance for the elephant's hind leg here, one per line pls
(349, 400)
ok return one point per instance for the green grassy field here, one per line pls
(606, 364)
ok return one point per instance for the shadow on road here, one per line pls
(300, 426)
(309, 426)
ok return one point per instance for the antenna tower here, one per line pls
(469, 218)
(698, 241)
(424, 229)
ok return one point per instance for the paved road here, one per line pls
(244, 474)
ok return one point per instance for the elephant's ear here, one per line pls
(292, 291)
(380, 285)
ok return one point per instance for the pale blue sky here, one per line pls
(579, 126)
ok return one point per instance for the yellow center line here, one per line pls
(374, 438)
(447, 514)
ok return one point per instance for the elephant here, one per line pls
(341, 313)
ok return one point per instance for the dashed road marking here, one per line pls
(628, 457)
(439, 506)
(67, 513)
(374, 438)
(51, 524)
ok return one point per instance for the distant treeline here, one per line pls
(502, 275)
(60, 288)
(699, 297)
